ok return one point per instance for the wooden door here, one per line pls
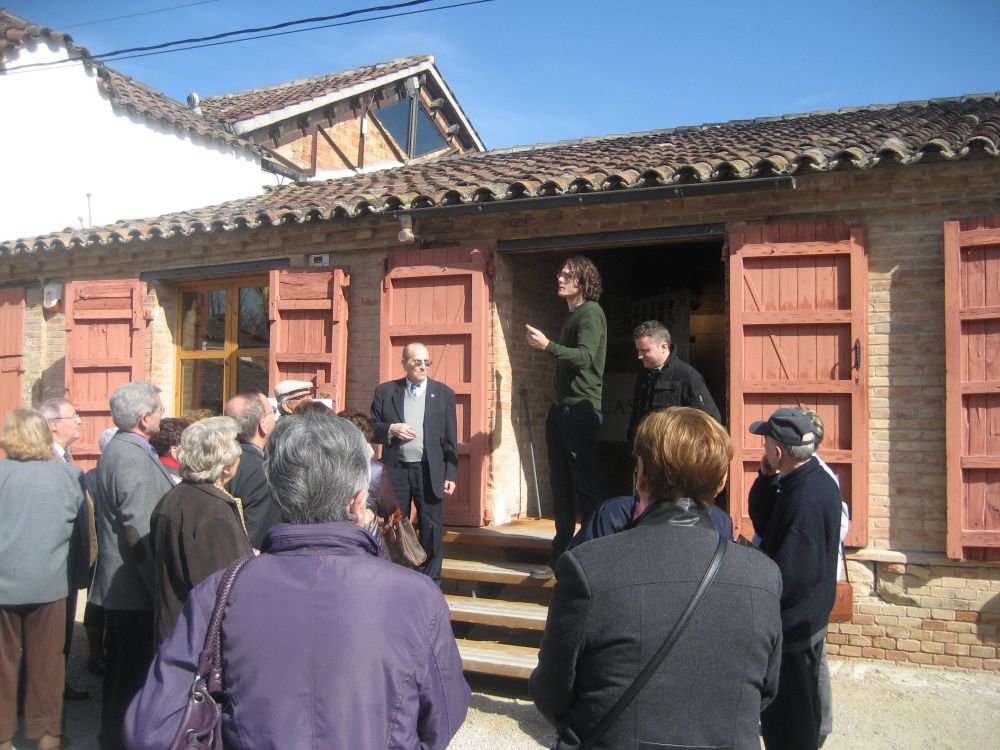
(11, 348)
(308, 311)
(440, 298)
(798, 335)
(972, 358)
(105, 348)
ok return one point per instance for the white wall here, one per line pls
(62, 139)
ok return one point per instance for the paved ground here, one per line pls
(876, 706)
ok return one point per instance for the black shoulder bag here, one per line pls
(643, 677)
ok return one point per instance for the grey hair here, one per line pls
(132, 401)
(654, 329)
(249, 416)
(315, 465)
(817, 423)
(208, 447)
(799, 452)
(408, 348)
(52, 409)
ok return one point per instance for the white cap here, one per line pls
(286, 388)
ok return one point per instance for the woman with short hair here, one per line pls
(41, 502)
(616, 598)
(197, 527)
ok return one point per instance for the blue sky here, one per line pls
(531, 71)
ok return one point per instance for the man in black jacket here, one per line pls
(666, 380)
(795, 509)
(255, 416)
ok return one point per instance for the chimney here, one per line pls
(194, 103)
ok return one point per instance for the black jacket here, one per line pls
(676, 384)
(797, 516)
(614, 602)
(250, 486)
(194, 531)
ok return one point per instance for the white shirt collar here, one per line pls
(419, 387)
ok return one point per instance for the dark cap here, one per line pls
(786, 426)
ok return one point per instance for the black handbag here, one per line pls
(643, 677)
(201, 725)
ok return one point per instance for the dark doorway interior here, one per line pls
(681, 284)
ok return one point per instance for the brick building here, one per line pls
(848, 260)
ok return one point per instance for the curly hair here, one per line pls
(587, 276)
(169, 435)
(360, 420)
(26, 436)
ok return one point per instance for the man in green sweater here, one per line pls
(575, 416)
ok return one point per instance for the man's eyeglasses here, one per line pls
(421, 362)
(56, 419)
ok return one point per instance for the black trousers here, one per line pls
(130, 652)
(413, 481)
(571, 439)
(791, 721)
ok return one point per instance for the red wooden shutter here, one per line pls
(972, 358)
(798, 334)
(308, 312)
(440, 297)
(11, 348)
(105, 348)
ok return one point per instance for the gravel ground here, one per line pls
(877, 706)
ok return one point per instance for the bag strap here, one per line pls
(643, 677)
(210, 660)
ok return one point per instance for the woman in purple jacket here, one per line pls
(324, 643)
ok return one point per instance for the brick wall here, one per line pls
(911, 601)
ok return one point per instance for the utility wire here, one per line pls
(108, 56)
(225, 34)
(134, 15)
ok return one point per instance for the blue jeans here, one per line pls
(571, 439)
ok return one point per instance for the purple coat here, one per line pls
(324, 645)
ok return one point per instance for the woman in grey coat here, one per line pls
(41, 502)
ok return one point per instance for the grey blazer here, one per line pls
(130, 482)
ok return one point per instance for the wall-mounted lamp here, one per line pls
(52, 294)
(406, 229)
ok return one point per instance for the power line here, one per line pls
(225, 34)
(134, 15)
(108, 57)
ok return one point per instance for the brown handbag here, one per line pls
(843, 602)
(401, 541)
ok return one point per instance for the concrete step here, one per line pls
(500, 659)
(497, 612)
(494, 572)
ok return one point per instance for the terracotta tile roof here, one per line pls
(853, 138)
(125, 93)
(243, 105)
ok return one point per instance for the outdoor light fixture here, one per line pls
(406, 229)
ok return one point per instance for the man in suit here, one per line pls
(64, 424)
(255, 416)
(130, 482)
(414, 417)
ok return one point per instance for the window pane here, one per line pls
(203, 326)
(255, 328)
(395, 119)
(251, 372)
(429, 138)
(201, 385)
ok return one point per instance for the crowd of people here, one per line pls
(329, 644)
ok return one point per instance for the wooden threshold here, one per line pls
(509, 573)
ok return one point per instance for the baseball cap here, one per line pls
(786, 426)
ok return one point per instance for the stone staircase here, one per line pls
(497, 609)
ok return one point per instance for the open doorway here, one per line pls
(683, 286)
